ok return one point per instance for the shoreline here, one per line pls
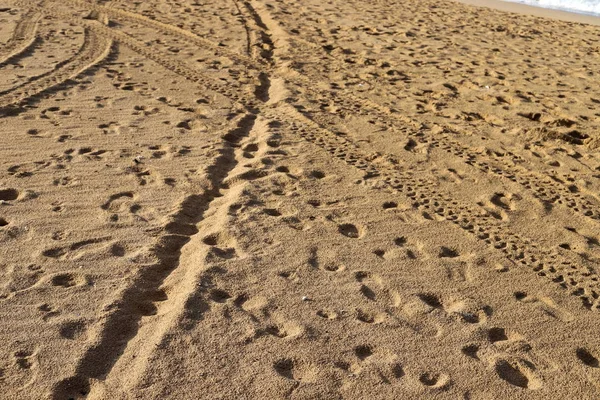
(535, 11)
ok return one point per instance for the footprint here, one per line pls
(147, 306)
(115, 198)
(400, 241)
(9, 194)
(349, 230)
(74, 250)
(504, 201)
(333, 267)
(518, 372)
(447, 252)
(48, 311)
(67, 280)
(219, 296)
(251, 304)
(366, 279)
(471, 351)
(65, 181)
(369, 317)
(586, 357)
(117, 250)
(221, 244)
(286, 330)
(390, 205)
(431, 300)
(327, 314)
(317, 174)
(469, 311)
(72, 329)
(292, 370)
(497, 335)
(77, 387)
(22, 278)
(500, 204)
(435, 380)
(285, 368)
(272, 212)
(508, 341)
(363, 352)
(24, 359)
(546, 304)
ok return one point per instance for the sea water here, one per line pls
(591, 7)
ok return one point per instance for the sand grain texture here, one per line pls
(273, 199)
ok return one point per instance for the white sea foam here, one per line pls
(578, 6)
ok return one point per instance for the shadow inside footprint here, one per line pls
(587, 358)
(285, 368)
(514, 375)
(447, 252)
(363, 352)
(9, 194)
(349, 230)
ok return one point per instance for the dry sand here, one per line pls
(510, 6)
(265, 199)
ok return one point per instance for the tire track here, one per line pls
(93, 51)
(97, 29)
(580, 280)
(249, 33)
(116, 339)
(548, 189)
(24, 37)
(419, 188)
(120, 14)
(260, 42)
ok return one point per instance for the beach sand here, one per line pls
(298, 199)
(512, 7)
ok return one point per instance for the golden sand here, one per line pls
(273, 199)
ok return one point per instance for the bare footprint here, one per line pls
(545, 304)
(518, 372)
